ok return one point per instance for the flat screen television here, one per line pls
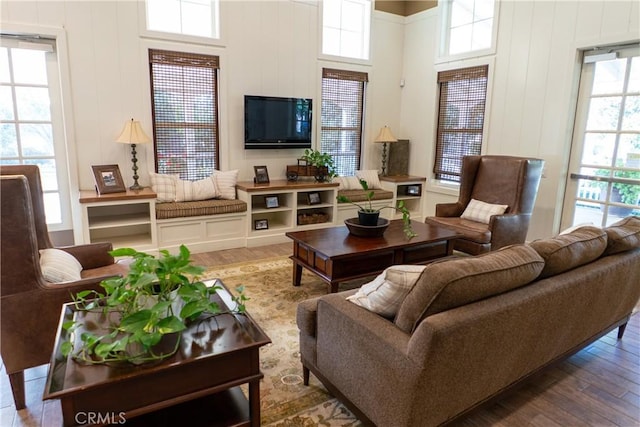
(273, 122)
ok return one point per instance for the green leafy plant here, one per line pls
(629, 193)
(159, 296)
(322, 161)
(368, 207)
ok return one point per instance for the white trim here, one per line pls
(338, 58)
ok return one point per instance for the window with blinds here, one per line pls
(184, 94)
(341, 122)
(461, 107)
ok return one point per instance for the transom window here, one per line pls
(346, 28)
(184, 94)
(467, 26)
(188, 17)
(463, 94)
(342, 117)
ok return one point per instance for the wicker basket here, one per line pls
(312, 218)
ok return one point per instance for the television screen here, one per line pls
(272, 122)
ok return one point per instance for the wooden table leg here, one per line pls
(333, 287)
(297, 274)
(254, 403)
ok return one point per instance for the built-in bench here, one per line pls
(203, 225)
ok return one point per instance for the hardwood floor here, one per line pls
(598, 386)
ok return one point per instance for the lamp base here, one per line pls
(136, 187)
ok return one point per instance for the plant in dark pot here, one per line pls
(369, 216)
(323, 163)
(139, 317)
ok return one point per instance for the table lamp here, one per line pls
(385, 136)
(133, 134)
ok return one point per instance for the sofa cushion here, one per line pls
(480, 211)
(567, 251)
(361, 195)
(623, 235)
(450, 283)
(384, 294)
(198, 208)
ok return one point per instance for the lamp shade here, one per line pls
(132, 133)
(385, 135)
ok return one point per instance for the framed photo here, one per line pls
(108, 179)
(314, 198)
(262, 175)
(261, 224)
(413, 190)
(271, 201)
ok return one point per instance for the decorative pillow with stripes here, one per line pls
(384, 294)
(482, 212)
(164, 186)
(226, 182)
(58, 266)
(371, 176)
(189, 191)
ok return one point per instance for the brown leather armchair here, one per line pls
(30, 306)
(505, 180)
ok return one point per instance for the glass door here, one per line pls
(604, 171)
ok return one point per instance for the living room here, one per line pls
(272, 48)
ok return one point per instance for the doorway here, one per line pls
(604, 169)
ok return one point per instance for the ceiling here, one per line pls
(404, 7)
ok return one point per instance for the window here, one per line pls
(460, 119)
(184, 96)
(30, 111)
(341, 121)
(467, 26)
(188, 17)
(346, 27)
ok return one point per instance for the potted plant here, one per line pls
(138, 312)
(368, 215)
(323, 162)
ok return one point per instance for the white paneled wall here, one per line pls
(271, 48)
(534, 86)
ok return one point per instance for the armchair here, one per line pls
(29, 305)
(504, 180)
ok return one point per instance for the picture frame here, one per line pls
(262, 175)
(108, 179)
(313, 198)
(271, 201)
(261, 224)
(413, 190)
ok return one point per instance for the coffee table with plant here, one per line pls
(158, 297)
(368, 215)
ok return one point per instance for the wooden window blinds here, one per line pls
(462, 100)
(184, 97)
(342, 113)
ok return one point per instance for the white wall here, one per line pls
(268, 48)
(533, 87)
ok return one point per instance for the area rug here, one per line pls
(284, 400)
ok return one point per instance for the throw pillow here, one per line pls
(371, 176)
(226, 183)
(187, 191)
(58, 266)
(348, 183)
(164, 186)
(623, 235)
(480, 211)
(384, 294)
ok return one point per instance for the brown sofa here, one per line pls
(471, 327)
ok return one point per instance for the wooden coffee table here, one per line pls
(199, 385)
(336, 256)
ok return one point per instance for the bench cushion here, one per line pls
(202, 207)
(361, 196)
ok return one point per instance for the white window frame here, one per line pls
(365, 38)
(444, 33)
(62, 129)
(180, 37)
